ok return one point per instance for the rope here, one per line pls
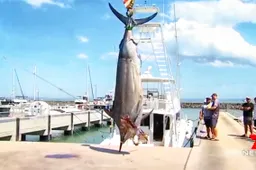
(26, 70)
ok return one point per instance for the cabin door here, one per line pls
(158, 127)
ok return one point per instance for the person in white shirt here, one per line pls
(254, 112)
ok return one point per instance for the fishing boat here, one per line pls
(166, 126)
(5, 106)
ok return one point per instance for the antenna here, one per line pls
(163, 12)
(177, 52)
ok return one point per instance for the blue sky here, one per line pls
(218, 48)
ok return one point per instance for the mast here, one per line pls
(35, 89)
(13, 84)
(86, 86)
(91, 82)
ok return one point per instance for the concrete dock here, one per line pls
(16, 129)
(225, 154)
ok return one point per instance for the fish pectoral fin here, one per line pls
(109, 112)
(144, 20)
(147, 114)
(142, 117)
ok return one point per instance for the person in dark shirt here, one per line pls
(207, 116)
(215, 109)
(247, 108)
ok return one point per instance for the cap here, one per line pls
(214, 94)
(208, 98)
(247, 97)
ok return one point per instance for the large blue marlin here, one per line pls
(128, 100)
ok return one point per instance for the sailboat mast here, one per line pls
(35, 91)
(13, 84)
(91, 82)
(86, 81)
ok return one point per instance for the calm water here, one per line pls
(97, 135)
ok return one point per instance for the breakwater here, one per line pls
(195, 105)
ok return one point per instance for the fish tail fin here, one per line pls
(144, 20)
(122, 18)
(127, 20)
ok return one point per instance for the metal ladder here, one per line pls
(150, 33)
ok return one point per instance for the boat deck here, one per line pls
(225, 154)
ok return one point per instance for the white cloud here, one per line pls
(105, 16)
(83, 39)
(222, 12)
(206, 32)
(39, 3)
(82, 56)
(218, 63)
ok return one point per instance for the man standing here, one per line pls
(215, 109)
(254, 112)
(206, 115)
(247, 108)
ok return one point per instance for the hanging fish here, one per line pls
(128, 4)
(128, 101)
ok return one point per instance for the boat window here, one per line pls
(84, 98)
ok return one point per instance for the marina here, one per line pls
(205, 154)
(144, 121)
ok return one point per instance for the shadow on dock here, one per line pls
(62, 156)
(106, 150)
(240, 137)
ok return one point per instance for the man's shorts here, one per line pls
(255, 123)
(248, 120)
(208, 123)
(214, 122)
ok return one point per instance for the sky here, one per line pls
(216, 42)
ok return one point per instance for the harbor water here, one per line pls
(97, 135)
